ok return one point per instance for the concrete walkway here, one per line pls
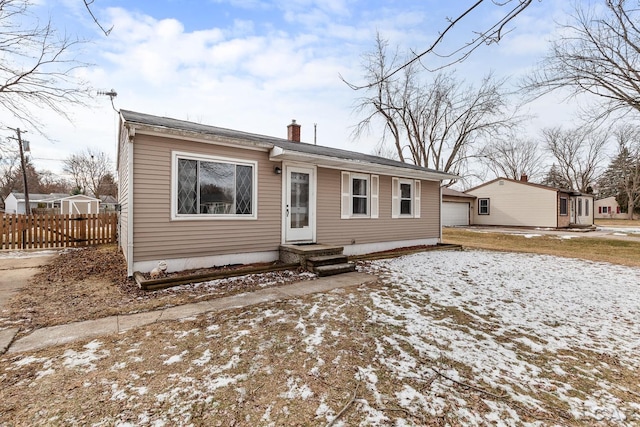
(55, 335)
(15, 273)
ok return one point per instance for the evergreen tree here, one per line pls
(622, 177)
(556, 179)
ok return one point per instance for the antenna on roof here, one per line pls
(111, 94)
(315, 133)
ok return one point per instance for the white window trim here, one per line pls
(175, 155)
(488, 212)
(346, 184)
(396, 199)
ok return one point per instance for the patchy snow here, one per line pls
(548, 304)
(84, 360)
(11, 254)
(465, 337)
(623, 230)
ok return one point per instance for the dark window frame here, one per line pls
(564, 207)
(484, 209)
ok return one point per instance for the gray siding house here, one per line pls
(199, 196)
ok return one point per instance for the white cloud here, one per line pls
(256, 75)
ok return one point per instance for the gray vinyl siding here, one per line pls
(331, 229)
(157, 236)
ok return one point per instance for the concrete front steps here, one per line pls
(328, 265)
(324, 260)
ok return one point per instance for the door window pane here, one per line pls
(299, 210)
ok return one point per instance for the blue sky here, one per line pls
(254, 65)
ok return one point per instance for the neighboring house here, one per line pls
(108, 204)
(457, 207)
(508, 202)
(15, 202)
(198, 196)
(608, 208)
(58, 202)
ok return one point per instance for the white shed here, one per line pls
(79, 204)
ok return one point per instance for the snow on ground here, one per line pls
(622, 230)
(531, 333)
(11, 254)
(540, 303)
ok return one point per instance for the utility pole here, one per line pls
(27, 205)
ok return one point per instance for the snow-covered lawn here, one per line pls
(446, 338)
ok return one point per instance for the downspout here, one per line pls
(440, 191)
(557, 209)
(130, 136)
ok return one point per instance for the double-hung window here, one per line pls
(359, 195)
(483, 206)
(405, 198)
(213, 187)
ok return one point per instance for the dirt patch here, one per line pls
(90, 283)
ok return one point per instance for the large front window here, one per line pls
(214, 187)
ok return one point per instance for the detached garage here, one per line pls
(456, 207)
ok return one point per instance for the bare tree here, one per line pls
(579, 154)
(436, 123)
(504, 10)
(87, 4)
(37, 69)
(9, 170)
(598, 54)
(88, 171)
(513, 157)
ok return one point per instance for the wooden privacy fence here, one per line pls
(57, 231)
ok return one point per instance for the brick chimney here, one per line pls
(524, 178)
(293, 131)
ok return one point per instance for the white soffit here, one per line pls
(280, 154)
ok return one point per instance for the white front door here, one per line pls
(299, 209)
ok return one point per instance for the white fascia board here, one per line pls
(279, 154)
(186, 135)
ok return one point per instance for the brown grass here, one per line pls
(272, 352)
(616, 251)
(618, 222)
(91, 283)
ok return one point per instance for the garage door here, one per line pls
(455, 214)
